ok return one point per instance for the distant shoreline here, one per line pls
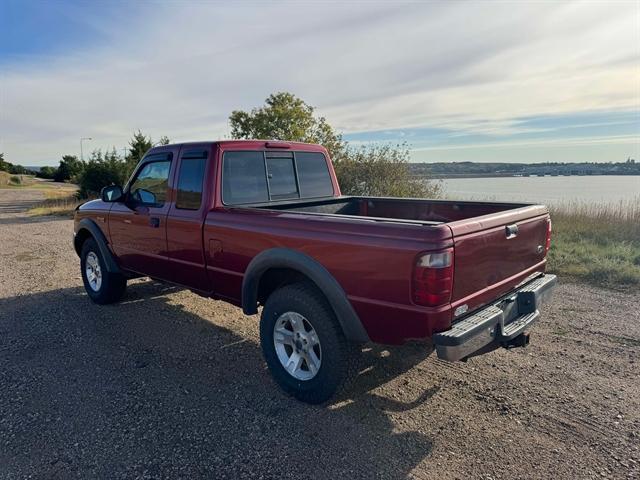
(504, 175)
(497, 170)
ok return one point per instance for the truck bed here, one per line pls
(490, 260)
(423, 211)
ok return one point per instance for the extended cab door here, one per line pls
(186, 216)
(137, 227)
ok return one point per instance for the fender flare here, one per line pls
(95, 232)
(312, 269)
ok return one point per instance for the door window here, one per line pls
(243, 178)
(190, 179)
(151, 184)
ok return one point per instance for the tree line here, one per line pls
(373, 170)
(453, 169)
(9, 167)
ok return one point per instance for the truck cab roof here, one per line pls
(252, 144)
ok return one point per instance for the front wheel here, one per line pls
(102, 286)
(303, 344)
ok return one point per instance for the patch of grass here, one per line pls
(8, 180)
(60, 210)
(59, 201)
(597, 244)
(60, 193)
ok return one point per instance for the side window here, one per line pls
(150, 186)
(282, 178)
(243, 178)
(190, 179)
(313, 175)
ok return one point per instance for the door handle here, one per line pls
(511, 231)
(154, 222)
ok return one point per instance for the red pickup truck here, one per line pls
(264, 223)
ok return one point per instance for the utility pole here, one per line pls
(81, 140)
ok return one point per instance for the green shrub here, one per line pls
(101, 171)
(381, 171)
(70, 168)
(47, 172)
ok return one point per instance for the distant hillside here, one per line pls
(473, 169)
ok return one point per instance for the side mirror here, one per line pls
(112, 193)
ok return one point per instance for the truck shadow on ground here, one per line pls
(148, 389)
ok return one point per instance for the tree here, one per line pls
(382, 171)
(11, 168)
(69, 168)
(102, 170)
(139, 145)
(17, 169)
(47, 172)
(286, 117)
(110, 169)
(378, 170)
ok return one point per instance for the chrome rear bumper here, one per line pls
(502, 323)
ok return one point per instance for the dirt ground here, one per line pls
(170, 385)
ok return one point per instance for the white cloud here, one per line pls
(180, 69)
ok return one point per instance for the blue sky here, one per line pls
(456, 81)
(46, 29)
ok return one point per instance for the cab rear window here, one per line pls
(258, 177)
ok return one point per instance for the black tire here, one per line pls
(112, 285)
(336, 365)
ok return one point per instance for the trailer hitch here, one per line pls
(521, 340)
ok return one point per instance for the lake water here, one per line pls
(549, 190)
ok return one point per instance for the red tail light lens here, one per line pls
(432, 280)
(548, 244)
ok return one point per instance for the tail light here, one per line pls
(548, 244)
(432, 280)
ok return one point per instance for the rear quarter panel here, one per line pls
(372, 261)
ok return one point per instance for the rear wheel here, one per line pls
(303, 344)
(101, 285)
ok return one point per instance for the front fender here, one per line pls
(88, 226)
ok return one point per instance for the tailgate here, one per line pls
(495, 252)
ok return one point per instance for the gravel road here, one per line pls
(170, 385)
(14, 200)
